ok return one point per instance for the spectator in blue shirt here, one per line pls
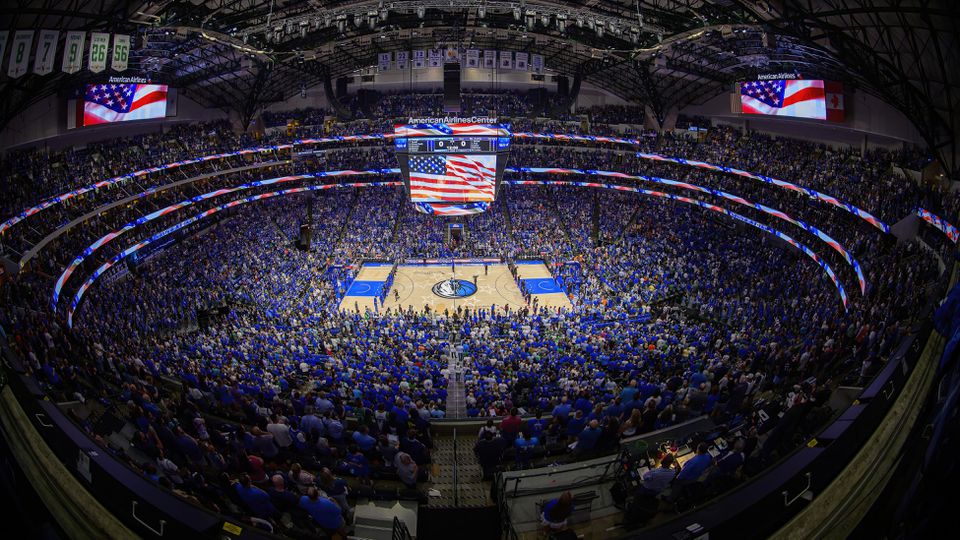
(333, 427)
(658, 479)
(694, 468)
(626, 395)
(587, 440)
(562, 410)
(727, 465)
(576, 425)
(324, 511)
(537, 425)
(311, 422)
(255, 499)
(583, 403)
(363, 439)
(556, 511)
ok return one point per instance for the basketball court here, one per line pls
(446, 286)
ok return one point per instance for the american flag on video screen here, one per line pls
(452, 178)
(799, 98)
(105, 103)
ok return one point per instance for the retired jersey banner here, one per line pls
(536, 63)
(453, 53)
(506, 60)
(4, 34)
(73, 52)
(121, 52)
(46, 52)
(473, 58)
(489, 59)
(383, 61)
(419, 59)
(403, 59)
(99, 43)
(20, 53)
(521, 62)
(436, 58)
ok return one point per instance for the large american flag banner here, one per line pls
(456, 178)
(105, 103)
(798, 98)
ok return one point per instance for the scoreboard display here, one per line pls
(452, 169)
(441, 145)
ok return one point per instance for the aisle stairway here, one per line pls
(456, 393)
(456, 476)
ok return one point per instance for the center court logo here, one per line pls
(454, 288)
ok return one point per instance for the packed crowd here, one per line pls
(676, 313)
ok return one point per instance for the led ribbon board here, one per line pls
(943, 225)
(99, 272)
(862, 280)
(770, 230)
(859, 212)
(109, 237)
(63, 197)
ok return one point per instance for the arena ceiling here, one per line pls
(244, 54)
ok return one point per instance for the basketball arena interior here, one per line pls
(479, 269)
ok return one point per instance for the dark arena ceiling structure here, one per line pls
(245, 54)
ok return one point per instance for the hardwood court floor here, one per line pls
(415, 287)
(414, 283)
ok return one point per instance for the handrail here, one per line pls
(133, 512)
(456, 479)
(400, 530)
